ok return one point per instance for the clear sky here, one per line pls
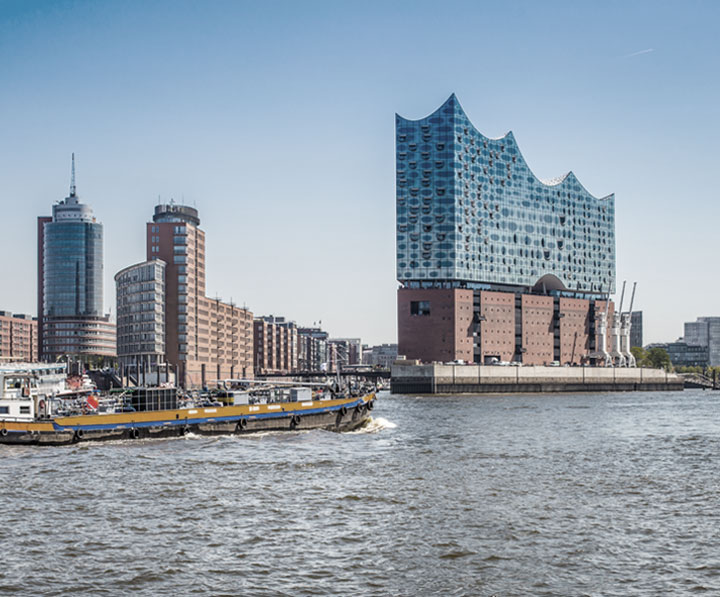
(276, 120)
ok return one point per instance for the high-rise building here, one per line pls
(70, 265)
(205, 339)
(18, 337)
(494, 264)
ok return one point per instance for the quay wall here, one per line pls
(412, 378)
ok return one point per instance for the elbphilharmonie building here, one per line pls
(506, 258)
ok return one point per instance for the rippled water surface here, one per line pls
(608, 494)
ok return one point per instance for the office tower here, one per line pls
(70, 265)
(140, 298)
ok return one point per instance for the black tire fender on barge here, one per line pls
(184, 430)
(343, 411)
(78, 435)
(241, 424)
(371, 404)
(294, 421)
(3, 432)
(134, 433)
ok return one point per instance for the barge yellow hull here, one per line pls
(342, 414)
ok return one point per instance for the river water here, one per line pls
(606, 494)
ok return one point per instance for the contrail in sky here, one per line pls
(638, 53)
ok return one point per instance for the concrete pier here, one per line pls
(412, 378)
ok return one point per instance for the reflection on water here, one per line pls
(607, 494)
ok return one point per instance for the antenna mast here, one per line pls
(72, 177)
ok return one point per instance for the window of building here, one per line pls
(419, 307)
(179, 258)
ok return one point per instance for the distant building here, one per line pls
(205, 339)
(18, 337)
(383, 355)
(70, 283)
(705, 331)
(313, 354)
(636, 329)
(275, 345)
(494, 264)
(684, 355)
(348, 350)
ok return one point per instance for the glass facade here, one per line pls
(705, 331)
(470, 211)
(73, 257)
(71, 269)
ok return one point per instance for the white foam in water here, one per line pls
(374, 425)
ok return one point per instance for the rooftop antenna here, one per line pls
(72, 177)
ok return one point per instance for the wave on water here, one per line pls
(374, 425)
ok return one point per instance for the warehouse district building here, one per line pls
(493, 263)
(164, 318)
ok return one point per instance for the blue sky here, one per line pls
(276, 120)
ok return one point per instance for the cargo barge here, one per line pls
(28, 418)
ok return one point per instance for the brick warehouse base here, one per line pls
(474, 326)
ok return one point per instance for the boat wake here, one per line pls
(375, 425)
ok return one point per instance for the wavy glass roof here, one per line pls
(469, 209)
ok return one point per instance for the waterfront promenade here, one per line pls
(410, 377)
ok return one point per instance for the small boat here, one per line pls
(28, 418)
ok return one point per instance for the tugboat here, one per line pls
(140, 413)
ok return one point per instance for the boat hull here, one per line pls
(333, 415)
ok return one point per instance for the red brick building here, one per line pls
(275, 345)
(206, 339)
(18, 337)
(480, 326)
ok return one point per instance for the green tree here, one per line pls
(640, 355)
(658, 358)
